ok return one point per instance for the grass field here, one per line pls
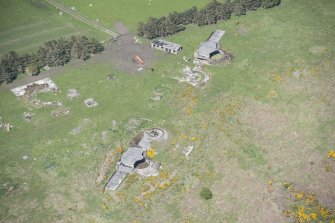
(265, 119)
(130, 12)
(25, 25)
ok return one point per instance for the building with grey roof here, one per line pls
(210, 47)
(166, 46)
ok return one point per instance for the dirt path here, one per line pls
(120, 54)
(83, 19)
(28, 79)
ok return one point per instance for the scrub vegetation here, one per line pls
(262, 127)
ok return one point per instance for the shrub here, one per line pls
(206, 193)
(214, 11)
(270, 3)
(32, 69)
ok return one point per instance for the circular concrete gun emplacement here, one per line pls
(195, 77)
(156, 134)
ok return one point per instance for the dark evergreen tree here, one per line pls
(169, 27)
(270, 3)
(209, 14)
(175, 18)
(239, 8)
(205, 18)
(32, 69)
(225, 10)
(140, 29)
(23, 61)
(75, 51)
(188, 16)
(9, 66)
(251, 5)
(53, 53)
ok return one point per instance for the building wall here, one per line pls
(165, 48)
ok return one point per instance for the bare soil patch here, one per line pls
(122, 51)
(121, 28)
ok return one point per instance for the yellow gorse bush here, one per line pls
(331, 154)
(151, 153)
(306, 208)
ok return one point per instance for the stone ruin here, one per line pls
(5, 125)
(29, 92)
(41, 86)
(60, 112)
(187, 151)
(157, 96)
(72, 93)
(90, 102)
(196, 77)
(111, 77)
(27, 116)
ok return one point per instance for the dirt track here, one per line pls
(83, 18)
(120, 54)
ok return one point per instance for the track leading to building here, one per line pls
(83, 18)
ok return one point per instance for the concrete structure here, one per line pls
(115, 181)
(210, 47)
(46, 85)
(134, 156)
(166, 46)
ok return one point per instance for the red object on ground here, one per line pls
(139, 60)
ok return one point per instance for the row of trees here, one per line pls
(214, 11)
(52, 53)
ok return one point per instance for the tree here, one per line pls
(169, 28)
(188, 16)
(206, 193)
(9, 66)
(209, 14)
(152, 28)
(32, 69)
(23, 61)
(251, 5)
(224, 11)
(53, 53)
(270, 3)
(239, 8)
(175, 18)
(212, 9)
(75, 51)
(204, 17)
(140, 29)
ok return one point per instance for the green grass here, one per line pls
(130, 12)
(25, 25)
(231, 157)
